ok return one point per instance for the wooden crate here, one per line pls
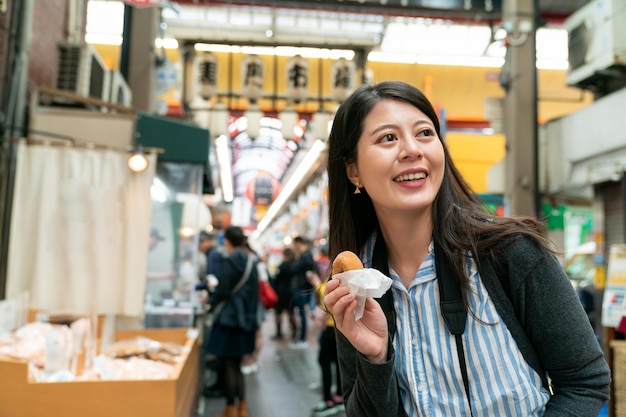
(619, 377)
(174, 397)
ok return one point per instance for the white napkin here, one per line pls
(363, 283)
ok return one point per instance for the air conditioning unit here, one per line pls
(120, 90)
(83, 72)
(596, 42)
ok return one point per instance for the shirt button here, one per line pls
(414, 341)
(421, 387)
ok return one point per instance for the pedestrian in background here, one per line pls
(212, 366)
(525, 346)
(250, 363)
(282, 285)
(301, 288)
(233, 333)
(206, 244)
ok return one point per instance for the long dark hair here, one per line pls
(461, 223)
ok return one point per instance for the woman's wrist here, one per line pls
(380, 357)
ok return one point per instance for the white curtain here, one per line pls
(79, 230)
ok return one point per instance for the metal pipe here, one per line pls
(125, 49)
(15, 109)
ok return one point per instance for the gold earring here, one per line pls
(358, 190)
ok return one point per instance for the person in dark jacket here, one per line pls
(301, 289)
(282, 285)
(234, 305)
(524, 345)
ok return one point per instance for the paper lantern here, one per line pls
(262, 190)
(252, 69)
(297, 79)
(342, 79)
(207, 77)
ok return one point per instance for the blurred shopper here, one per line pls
(215, 256)
(282, 285)
(160, 279)
(327, 357)
(211, 254)
(235, 304)
(322, 261)
(206, 244)
(250, 363)
(301, 288)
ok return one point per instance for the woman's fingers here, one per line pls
(331, 285)
(337, 300)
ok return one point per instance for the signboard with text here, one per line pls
(614, 303)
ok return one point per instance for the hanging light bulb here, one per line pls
(254, 115)
(137, 161)
(321, 124)
(289, 118)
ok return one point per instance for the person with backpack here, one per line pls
(234, 307)
(480, 320)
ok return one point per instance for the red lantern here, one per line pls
(262, 190)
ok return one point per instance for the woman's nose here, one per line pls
(410, 148)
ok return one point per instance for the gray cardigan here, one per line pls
(541, 310)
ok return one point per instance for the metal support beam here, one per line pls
(13, 112)
(519, 79)
(142, 56)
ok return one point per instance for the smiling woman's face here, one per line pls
(400, 159)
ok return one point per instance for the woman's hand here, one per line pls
(369, 335)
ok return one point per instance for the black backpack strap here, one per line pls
(450, 300)
(379, 262)
(453, 310)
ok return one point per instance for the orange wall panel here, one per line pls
(474, 155)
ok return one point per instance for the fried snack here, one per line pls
(346, 261)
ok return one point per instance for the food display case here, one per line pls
(172, 397)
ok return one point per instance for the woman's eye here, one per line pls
(387, 138)
(426, 132)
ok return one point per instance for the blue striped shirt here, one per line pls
(501, 382)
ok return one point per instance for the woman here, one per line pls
(235, 308)
(397, 200)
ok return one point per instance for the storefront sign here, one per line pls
(614, 303)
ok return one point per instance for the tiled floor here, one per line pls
(287, 384)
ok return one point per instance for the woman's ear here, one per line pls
(352, 172)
